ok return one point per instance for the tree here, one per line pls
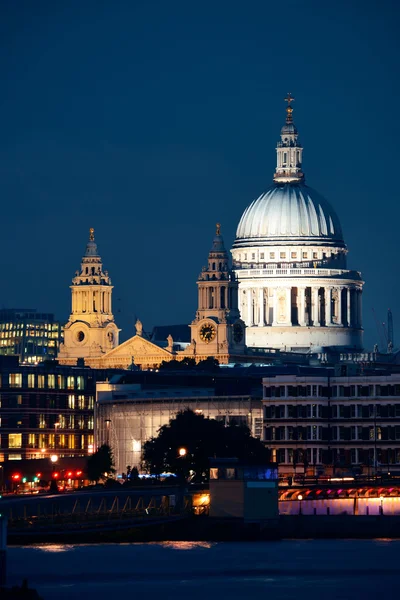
(189, 440)
(100, 463)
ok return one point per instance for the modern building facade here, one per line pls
(323, 423)
(46, 409)
(295, 290)
(32, 336)
(131, 408)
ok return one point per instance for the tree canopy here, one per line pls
(208, 364)
(190, 439)
(100, 463)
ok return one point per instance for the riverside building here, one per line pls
(319, 422)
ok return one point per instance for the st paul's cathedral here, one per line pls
(288, 287)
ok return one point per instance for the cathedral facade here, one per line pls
(289, 288)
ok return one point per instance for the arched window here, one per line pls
(213, 266)
(223, 303)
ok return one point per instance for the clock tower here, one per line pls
(90, 331)
(217, 329)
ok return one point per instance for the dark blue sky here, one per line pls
(150, 121)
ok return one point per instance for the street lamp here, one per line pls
(300, 498)
(182, 452)
(54, 458)
(108, 424)
(381, 506)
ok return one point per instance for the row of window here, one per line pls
(335, 411)
(51, 381)
(337, 456)
(334, 433)
(284, 255)
(13, 326)
(79, 402)
(334, 391)
(43, 441)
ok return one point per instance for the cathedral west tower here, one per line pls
(90, 331)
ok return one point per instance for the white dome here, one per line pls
(292, 212)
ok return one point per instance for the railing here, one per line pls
(297, 272)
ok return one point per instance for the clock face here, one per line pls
(80, 336)
(208, 333)
(237, 333)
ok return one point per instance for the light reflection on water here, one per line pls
(53, 547)
(186, 545)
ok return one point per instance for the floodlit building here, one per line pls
(131, 407)
(295, 290)
(320, 422)
(32, 336)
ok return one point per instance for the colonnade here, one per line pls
(91, 300)
(303, 306)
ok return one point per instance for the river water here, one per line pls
(318, 569)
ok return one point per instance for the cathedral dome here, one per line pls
(289, 213)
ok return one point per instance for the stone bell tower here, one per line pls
(90, 331)
(217, 329)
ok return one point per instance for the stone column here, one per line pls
(274, 307)
(339, 306)
(289, 306)
(314, 307)
(302, 306)
(359, 305)
(328, 306)
(249, 307)
(261, 306)
(348, 307)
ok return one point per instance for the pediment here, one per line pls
(137, 346)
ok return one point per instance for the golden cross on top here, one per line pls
(289, 99)
(218, 226)
(91, 234)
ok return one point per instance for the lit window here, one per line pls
(31, 380)
(81, 402)
(80, 382)
(60, 382)
(315, 254)
(71, 441)
(15, 457)
(42, 422)
(70, 382)
(90, 423)
(51, 381)
(31, 440)
(262, 255)
(304, 254)
(91, 403)
(294, 255)
(15, 440)
(272, 255)
(282, 255)
(15, 379)
(41, 381)
(19, 399)
(71, 401)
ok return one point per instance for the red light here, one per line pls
(16, 476)
(69, 474)
(79, 472)
(38, 475)
(56, 475)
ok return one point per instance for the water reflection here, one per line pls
(186, 545)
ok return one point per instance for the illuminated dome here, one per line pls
(289, 213)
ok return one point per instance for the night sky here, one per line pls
(152, 120)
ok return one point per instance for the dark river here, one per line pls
(317, 569)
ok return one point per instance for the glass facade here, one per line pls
(32, 336)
